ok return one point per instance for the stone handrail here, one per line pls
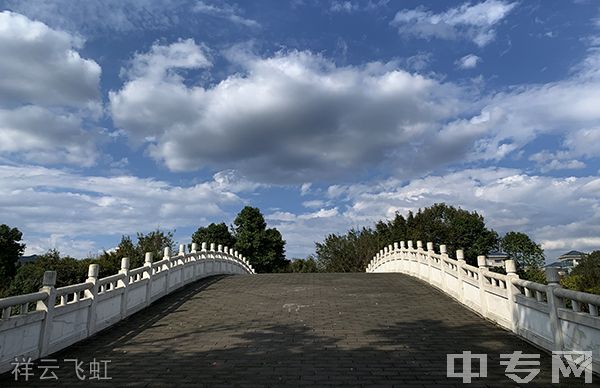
(38, 324)
(549, 316)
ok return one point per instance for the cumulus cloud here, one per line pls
(469, 61)
(73, 209)
(474, 22)
(46, 91)
(40, 135)
(41, 65)
(293, 117)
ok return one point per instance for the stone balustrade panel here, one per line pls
(547, 315)
(37, 324)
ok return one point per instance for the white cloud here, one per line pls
(565, 108)
(475, 22)
(305, 188)
(39, 135)
(552, 161)
(47, 90)
(297, 117)
(469, 61)
(40, 65)
(224, 11)
(344, 6)
(73, 209)
(315, 203)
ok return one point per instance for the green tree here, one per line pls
(154, 242)
(68, 271)
(214, 233)
(520, 247)
(586, 275)
(308, 265)
(440, 224)
(350, 252)
(264, 248)
(10, 250)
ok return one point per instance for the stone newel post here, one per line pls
(482, 265)
(92, 293)
(148, 275)
(554, 303)
(460, 258)
(481, 261)
(47, 305)
(511, 273)
(124, 283)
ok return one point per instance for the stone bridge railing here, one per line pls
(37, 324)
(549, 316)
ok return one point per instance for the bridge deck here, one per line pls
(294, 329)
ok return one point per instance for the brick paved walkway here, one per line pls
(296, 329)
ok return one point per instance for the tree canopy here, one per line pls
(440, 224)
(214, 233)
(521, 248)
(10, 250)
(265, 248)
(586, 275)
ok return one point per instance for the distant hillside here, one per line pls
(27, 259)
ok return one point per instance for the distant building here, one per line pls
(567, 261)
(496, 259)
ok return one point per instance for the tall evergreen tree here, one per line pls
(265, 248)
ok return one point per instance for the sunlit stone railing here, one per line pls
(549, 316)
(37, 324)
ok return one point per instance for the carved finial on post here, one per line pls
(203, 247)
(166, 253)
(212, 247)
(93, 271)
(511, 267)
(460, 255)
(481, 261)
(402, 245)
(181, 249)
(443, 249)
(419, 244)
(125, 264)
(385, 250)
(220, 248)
(194, 248)
(395, 246)
(226, 249)
(552, 275)
(148, 258)
(430, 246)
(49, 279)
(410, 244)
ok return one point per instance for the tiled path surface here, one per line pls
(295, 329)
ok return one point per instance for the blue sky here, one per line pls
(118, 117)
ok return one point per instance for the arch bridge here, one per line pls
(193, 319)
